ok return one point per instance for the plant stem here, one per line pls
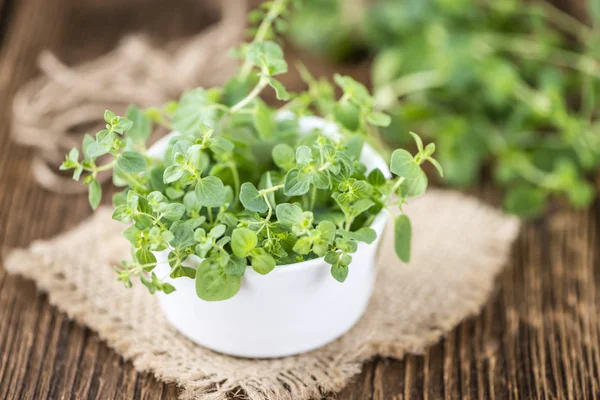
(313, 197)
(276, 8)
(262, 83)
(271, 189)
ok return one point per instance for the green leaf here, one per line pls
(402, 237)
(94, 193)
(109, 116)
(339, 272)
(355, 90)
(294, 184)
(283, 156)
(121, 213)
(251, 199)
(404, 165)
(243, 241)
(303, 245)
(376, 178)
(280, 92)
(173, 211)
(87, 141)
(332, 257)
(326, 230)
(288, 214)
(303, 155)
(145, 256)
(347, 114)
(131, 162)
(235, 266)
(527, 202)
(172, 173)
(379, 119)
(213, 284)
(268, 56)
(142, 126)
(122, 125)
(264, 120)
(210, 192)
(262, 262)
(183, 236)
(193, 112)
(95, 149)
(366, 235)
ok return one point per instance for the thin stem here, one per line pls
(236, 178)
(408, 84)
(106, 167)
(271, 189)
(313, 197)
(276, 8)
(262, 83)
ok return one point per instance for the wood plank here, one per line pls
(539, 336)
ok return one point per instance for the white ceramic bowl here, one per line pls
(293, 309)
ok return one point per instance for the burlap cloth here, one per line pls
(459, 246)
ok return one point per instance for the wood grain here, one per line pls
(538, 337)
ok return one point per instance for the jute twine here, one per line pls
(51, 111)
(459, 246)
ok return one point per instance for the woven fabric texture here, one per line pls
(459, 246)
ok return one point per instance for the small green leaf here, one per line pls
(142, 126)
(173, 211)
(339, 272)
(326, 230)
(403, 164)
(262, 262)
(213, 284)
(295, 185)
(376, 178)
(95, 149)
(94, 194)
(193, 112)
(122, 125)
(283, 156)
(210, 192)
(379, 119)
(264, 120)
(268, 56)
(145, 256)
(303, 155)
(131, 162)
(280, 92)
(288, 214)
(347, 114)
(366, 235)
(183, 236)
(243, 241)
(235, 266)
(251, 199)
(303, 245)
(402, 237)
(172, 173)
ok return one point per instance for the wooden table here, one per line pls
(538, 337)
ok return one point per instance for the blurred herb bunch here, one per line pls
(510, 84)
(239, 185)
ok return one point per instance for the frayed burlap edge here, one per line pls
(459, 247)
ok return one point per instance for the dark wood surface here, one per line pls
(538, 337)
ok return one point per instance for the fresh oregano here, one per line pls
(239, 185)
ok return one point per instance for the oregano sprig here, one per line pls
(240, 186)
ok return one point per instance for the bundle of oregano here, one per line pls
(239, 185)
(510, 84)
